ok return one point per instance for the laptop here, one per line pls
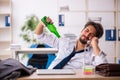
(55, 72)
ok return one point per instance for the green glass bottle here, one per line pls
(50, 26)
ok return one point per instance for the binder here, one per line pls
(7, 21)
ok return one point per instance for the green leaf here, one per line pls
(29, 25)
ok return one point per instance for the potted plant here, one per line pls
(28, 29)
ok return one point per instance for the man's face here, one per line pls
(87, 34)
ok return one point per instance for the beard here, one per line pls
(83, 40)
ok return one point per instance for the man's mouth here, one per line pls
(84, 38)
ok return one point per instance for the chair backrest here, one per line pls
(51, 57)
(40, 61)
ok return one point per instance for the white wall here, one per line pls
(23, 8)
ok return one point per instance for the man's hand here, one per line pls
(39, 28)
(49, 20)
(94, 44)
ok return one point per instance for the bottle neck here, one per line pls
(44, 20)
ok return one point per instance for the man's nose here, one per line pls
(87, 34)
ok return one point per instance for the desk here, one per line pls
(78, 76)
(35, 51)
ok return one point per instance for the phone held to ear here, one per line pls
(88, 42)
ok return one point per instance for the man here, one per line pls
(85, 49)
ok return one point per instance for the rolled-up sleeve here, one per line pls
(96, 60)
(48, 39)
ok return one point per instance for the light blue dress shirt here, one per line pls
(65, 47)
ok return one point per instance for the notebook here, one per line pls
(55, 71)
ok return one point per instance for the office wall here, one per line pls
(23, 8)
(75, 17)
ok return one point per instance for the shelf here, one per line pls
(100, 11)
(5, 13)
(5, 0)
(84, 11)
(5, 41)
(5, 20)
(4, 45)
(5, 6)
(74, 11)
(6, 27)
(4, 54)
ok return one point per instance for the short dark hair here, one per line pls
(97, 26)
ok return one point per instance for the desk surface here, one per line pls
(37, 50)
(78, 76)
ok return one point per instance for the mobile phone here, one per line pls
(88, 42)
